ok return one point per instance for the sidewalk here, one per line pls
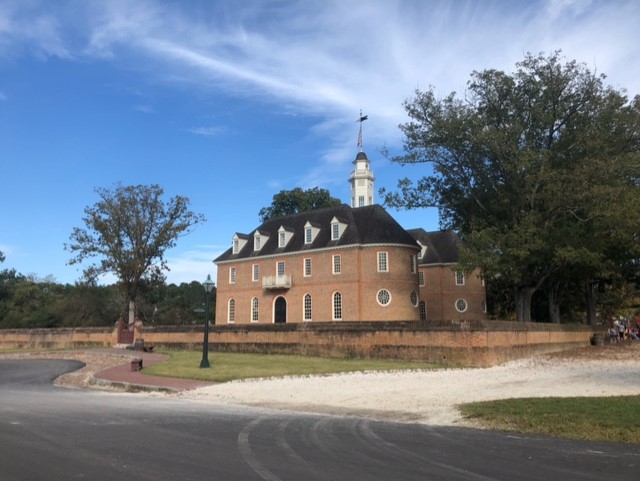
(122, 377)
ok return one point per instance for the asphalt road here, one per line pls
(50, 433)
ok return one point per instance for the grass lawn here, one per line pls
(614, 419)
(230, 366)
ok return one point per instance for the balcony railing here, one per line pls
(276, 282)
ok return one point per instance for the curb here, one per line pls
(133, 387)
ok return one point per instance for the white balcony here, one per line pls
(276, 282)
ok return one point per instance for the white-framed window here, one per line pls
(307, 307)
(231, 311)
(254, 309)
(483, 305)
(414, 264)
(255, 269)
(335, 231)
(307, 267)
(383, 297)
(232, 275)
(383, 262)
(361, 201)
(238, 243)
(337, 264)
(459, 278)
(421, 278)
(284, 236)
(461, 305)
(337, 306)
(310, 233)
(413, 297)
(280, 268)
(337, 228)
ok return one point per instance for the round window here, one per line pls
(414, 298)
(461, 305)
(384, 297)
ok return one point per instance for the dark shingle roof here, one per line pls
(442, 246)
(365, 225)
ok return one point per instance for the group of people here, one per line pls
(621, 329)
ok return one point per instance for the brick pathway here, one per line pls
(122, 376)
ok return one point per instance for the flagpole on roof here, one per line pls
(361, 119)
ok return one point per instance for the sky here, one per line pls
(229, 102)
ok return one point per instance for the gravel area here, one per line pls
(428, 397)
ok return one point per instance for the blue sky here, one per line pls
(229, 102)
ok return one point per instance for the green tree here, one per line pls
(128, 230)
(524, 166)
(288, 202)
(1, 256)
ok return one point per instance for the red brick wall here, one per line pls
(440, 293)
(474, 343)
(358, 282)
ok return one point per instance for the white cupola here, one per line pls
(361, 181)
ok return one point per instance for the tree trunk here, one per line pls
(590, 302)
(523, 303)
(132, 312)
(553, 301)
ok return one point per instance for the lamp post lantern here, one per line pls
(208, 288)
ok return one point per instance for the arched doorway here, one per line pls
(280, 310)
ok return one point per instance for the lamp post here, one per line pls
(208, 288)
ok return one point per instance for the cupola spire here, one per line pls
(361, 179)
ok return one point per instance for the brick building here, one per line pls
(344, 263)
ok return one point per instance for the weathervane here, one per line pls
(361, 119)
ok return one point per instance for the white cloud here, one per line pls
(209, 131)
(193, 265)
(330, 59)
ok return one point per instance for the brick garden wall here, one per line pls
(472, 343)
(58, 338)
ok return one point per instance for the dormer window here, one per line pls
(284, 236)
(259, 240)
(310, 233)
(238, 243)
(423, 250)
(337, 228)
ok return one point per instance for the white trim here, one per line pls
(229, 320)
(333, 306)
(466, 305)
(333, 264)
(386, 261)
(417, 298)
(233, 273)
(388, 292)
(304, 267)
(323, 249)
(304, 307)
